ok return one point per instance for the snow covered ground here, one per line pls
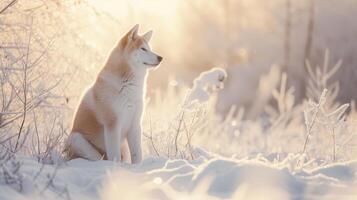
(268, 171)
(207, 177)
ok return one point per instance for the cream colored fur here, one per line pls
(107, 123)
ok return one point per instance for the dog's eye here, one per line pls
(143, 49)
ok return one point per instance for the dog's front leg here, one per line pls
(112, 136)
(134, 142)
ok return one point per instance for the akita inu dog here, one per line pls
(107, 123)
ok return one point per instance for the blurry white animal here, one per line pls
(207, 83)
(108, 118)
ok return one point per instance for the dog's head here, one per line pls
(136, 50)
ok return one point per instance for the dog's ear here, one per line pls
(147, 36)
(133, 33)
(129, 36)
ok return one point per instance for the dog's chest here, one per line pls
(128, 99)
(128, 106)
(123, 98)
(125, 95)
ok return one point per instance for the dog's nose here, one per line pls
(159, 58)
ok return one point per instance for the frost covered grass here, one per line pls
(321, 130)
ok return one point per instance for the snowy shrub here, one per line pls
(188, 119)
(29, 178)
(26, 80)
(9, 170)
(320, 79)
(316, 117)
(322, 114)
(320, 132)
(207, 83)
(36, 70)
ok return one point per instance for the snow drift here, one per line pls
(207, 177)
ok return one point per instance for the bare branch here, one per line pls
(7, 6)
(25, 87)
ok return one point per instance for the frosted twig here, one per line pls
(310, 124)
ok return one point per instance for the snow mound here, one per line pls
(208, 177)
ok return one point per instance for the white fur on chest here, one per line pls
(127, 100)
